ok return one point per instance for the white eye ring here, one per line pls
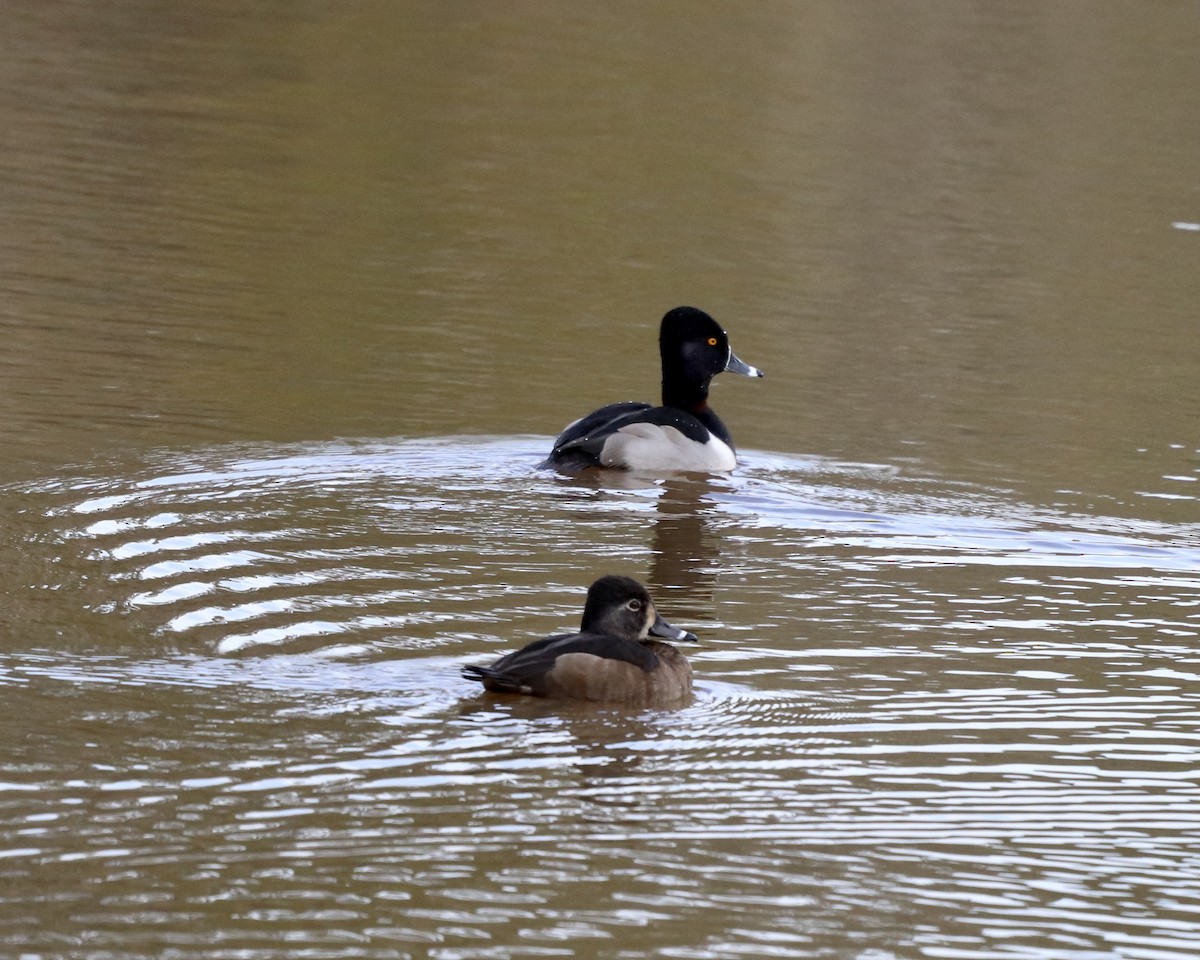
(634, 604)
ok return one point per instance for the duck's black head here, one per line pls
(621, 607)
(694, 349)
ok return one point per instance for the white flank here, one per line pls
(647, 446)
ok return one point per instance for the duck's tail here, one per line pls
(475, 673)
(494, 681)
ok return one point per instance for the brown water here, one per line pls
(294, 297)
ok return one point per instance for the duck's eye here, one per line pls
(634, 605)
(712, 341)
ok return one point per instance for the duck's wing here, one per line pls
(581, 444)
(529, 670)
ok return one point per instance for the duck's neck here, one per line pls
(685, 395)
(693, 398)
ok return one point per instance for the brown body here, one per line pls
(611, 660)
(585, 676)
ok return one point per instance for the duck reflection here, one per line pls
(685, 542)
(607, 742)
(686, 547)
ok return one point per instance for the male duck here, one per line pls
(684, 434)
(611, 659)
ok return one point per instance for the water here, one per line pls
(915, 702)
(293, 300)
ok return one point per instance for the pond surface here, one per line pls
(295, 299)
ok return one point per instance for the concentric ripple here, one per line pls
(928, 722)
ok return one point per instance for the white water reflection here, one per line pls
(749, 817)
(911, 696)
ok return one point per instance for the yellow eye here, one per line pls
(712, 341)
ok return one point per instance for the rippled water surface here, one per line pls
(293, 297)
(928, 720)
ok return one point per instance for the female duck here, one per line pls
(612, 658)
(684, 434)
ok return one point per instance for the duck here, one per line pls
(684, 434)
(612, 659)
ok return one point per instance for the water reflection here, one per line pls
(380, 548)
(685, 533)
(686, 546)
(601, 742)
(909, 695)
